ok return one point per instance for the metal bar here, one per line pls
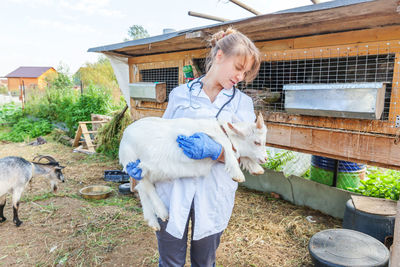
(205, 16)
(242, 5)
(335, 172)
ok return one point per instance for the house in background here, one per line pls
(30, 77)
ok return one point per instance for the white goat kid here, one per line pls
(153, 141)
(16, 173)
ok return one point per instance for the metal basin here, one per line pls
(96, 192)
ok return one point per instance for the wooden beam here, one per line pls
(395, 250)
(394, 110)
(325, 40)
(199, 53)
(347, 50)
(372, 149)
(365, 126)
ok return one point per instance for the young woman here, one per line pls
(205, 201)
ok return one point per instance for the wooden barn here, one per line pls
(328, 84)
(29, 77)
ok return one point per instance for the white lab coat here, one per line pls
(214, 194)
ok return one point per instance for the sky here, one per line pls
(58, 33)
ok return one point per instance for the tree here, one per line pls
(99, 73)
(137, 32)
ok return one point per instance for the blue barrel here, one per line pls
(349, 173)
(375, 225)
(329, 164)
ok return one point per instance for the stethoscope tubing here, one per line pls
(198, 81)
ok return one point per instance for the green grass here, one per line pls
(41, 197)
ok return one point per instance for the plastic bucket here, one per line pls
(349, 173)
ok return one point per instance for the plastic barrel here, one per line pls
(375, 225)
(344, 247)
(349, 173)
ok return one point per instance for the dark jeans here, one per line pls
(173, 250)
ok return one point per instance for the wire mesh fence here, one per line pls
(168, 75)
(378, 62)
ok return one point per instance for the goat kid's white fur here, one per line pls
(153, 141)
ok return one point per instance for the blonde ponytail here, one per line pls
(234, 43)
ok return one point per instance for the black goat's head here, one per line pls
(55, 173)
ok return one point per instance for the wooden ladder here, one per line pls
(83, 131)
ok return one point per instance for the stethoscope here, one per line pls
(196, 106)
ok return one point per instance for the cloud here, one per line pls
(92, 7)
(34, 3)
(63, 26)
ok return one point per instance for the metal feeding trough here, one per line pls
(156, 92)
(345, 100)
(96, 192)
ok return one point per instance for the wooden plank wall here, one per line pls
(366, 141)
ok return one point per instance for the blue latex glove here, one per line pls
(133, 170)
(199, 146)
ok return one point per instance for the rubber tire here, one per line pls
(125, 188)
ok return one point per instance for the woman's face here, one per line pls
(231, 69)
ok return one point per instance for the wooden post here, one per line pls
(242, 5)
(395, 255)
(205, 16)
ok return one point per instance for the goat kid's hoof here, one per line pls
(3, 219)
(257, 172)
(239, 180)
(18, 223)
(164, 219)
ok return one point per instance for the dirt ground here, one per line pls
(63, 229)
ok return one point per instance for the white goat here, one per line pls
(16, 173)
(153, 141)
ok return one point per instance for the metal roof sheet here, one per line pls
(27, 72)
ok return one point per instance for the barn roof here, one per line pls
(327, 17)
(27, 72)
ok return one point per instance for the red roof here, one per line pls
(27, 72)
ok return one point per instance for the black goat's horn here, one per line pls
(49, 158)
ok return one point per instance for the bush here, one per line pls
(67, 105)
(27, 128)
(380, 183)
(10, 113)
(3, 90)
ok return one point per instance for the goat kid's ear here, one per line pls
(234, 129)
(259, 121)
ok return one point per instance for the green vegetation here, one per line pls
(109, 136)
(136, 32)
(10, 113)
(381, 183)
(27, 128)
(3, 89)
(22, 128)
(60, 103)
(278, 161)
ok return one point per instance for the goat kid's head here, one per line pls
(54, 170)
(249, 139)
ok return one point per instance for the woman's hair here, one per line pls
(233, 43)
